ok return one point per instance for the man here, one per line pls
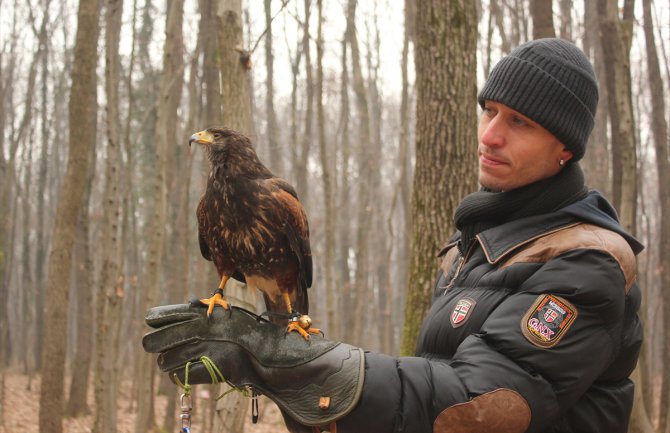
(534, 322)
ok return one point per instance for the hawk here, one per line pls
(253, 227)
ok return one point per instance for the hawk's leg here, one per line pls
(298, 322)
(217, 298)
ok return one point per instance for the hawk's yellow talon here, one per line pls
(293, 326)
(303, 326)
(216, 299)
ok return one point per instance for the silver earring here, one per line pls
(561, 162)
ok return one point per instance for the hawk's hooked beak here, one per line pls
(202, 137)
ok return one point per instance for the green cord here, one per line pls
(186, 387)
(213, 370)
(214, 373)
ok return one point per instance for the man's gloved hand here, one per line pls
(315, 382)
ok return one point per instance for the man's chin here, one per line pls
(490, 184)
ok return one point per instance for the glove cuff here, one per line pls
(320, 391)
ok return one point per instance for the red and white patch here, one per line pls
(547, 320)
(462, 311)
(550, 315)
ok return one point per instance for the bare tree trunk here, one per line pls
(210, 72)
(178, 257)
(342, 261)
(659, 129)
(4, 219)
(639, 420)
(486, 55)
(329, 214)
(246, 60)
(165, 133)
(130, 240)
(382, 241)
(405, 112)
(543, 20)
(597, 162)
(295, 71)
(404, 157)
(646, 279)
(500, 24)
(41, 250)
(445, 137)
(519, 22)
(212, 113)
(43, 167)
(11, 260)
(70, 199)
(276, 162)
(616, 36)
(364, 209)
(28, 289)
(24, 135)
(565, 29)
(234, 64)
(4, 193)
(176, 248)
(108, 302)
(181, 271)
(77, 404)
(304, 145)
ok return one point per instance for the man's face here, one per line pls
(515, 151)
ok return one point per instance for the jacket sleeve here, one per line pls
(505, 375)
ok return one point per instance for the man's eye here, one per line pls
(519, 121)
(489, 111)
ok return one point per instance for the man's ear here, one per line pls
(566, 155)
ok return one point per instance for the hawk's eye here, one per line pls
(217, 135)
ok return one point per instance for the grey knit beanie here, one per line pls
(551, 82)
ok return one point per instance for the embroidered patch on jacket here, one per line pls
(462, 311)
(547, 320)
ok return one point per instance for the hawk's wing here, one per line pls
(295, 227)
(201, 215)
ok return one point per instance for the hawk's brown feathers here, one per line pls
(251, 224)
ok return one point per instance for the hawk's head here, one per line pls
(230, 149)
(217, 138)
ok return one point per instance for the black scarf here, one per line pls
(485, 209)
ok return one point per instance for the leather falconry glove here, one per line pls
(315, 383)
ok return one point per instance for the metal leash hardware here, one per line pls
(186, 406)
(254, 406)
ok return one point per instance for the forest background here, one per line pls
(367, 107)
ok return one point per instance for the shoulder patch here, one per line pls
(548, 246)
(547, 320)
(462, 311)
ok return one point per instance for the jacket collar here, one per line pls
(501, 240)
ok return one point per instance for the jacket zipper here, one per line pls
(461, 262)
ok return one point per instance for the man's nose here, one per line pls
(492, 133)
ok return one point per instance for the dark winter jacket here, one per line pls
(534, 328)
